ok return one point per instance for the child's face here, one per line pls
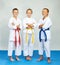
(15, 13)
(44, 13)
(29, 13)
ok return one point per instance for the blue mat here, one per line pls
(55, 59)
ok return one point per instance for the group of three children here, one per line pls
(29, 23)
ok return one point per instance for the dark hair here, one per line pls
(46, 9)
(15, 9)
(28, 10)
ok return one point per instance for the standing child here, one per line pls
(14, 37)
(28, 25)
(44, 35)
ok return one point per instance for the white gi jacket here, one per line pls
(11, 27)
(29, 21)
(47, 24)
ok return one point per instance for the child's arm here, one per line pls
(19, 25)
(24, 24)
(48, 24)
(34, 23)
(11, 24)
(30, 26)
(40, 24)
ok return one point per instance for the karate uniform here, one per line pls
(28, 46)
(45, 36)
(12, 35)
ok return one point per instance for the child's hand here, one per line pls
(18, 26)
(13, 24)
(40, 26)
(30, 25)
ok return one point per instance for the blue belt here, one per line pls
(44, 34)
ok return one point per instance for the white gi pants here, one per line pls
(28, 47)
(11, 46)
(44, 45)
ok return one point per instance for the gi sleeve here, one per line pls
(10, 24)
(20, 22)
(24, 24)
(34, 23)
(47, 24)
(39, 23)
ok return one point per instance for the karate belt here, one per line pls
(27, 35)
(19, 39)
(44, 34)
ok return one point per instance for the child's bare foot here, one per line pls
(28, 58)
(11, 59)
(17, 58)
(41, 58)
(48, 59)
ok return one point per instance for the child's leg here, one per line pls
(30, 46)
(18, 51)
(31, 49)
(41, 50)
(41, 47)
(47, 49)
(25, 45)
(10, 50)
(25, 49)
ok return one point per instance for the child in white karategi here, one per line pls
(14, 36)
(44, 35)
(28, 36)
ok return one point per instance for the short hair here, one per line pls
(46, 9)
(14, 9)
(28, 10)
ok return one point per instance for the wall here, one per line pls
(37, 5)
